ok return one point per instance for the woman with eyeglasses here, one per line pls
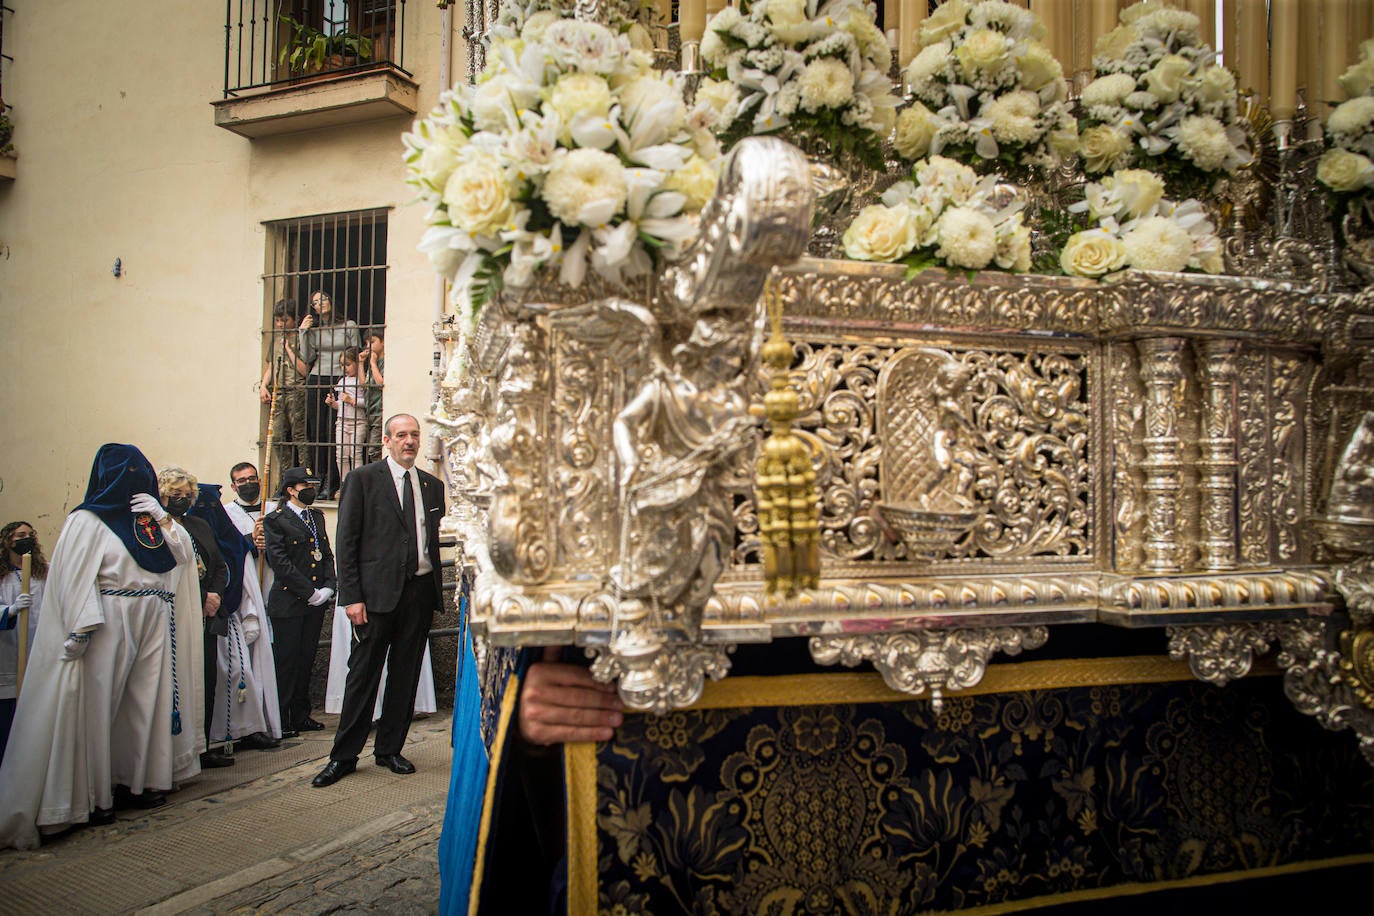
(16, 540)
(324, 337)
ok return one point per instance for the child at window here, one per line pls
(350, 426)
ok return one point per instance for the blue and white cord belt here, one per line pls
(170, 598)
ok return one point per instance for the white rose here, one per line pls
(649, 92)
(826, 83)
(537, 24)
(1344, 171)
(1167, 77)
(440, 157)
(1158, 243)
(968, 238)
(1103, 148)
(983, 51)
(585, 187)
(915, 129)
(477, 196)
(696, 181)
(1093, 253)
(493, 106)
(575, 93)
(786, 12)
(1113, 45)
(948, 19)
(1039, 66)
(880, 233)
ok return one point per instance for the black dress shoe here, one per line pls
(258, 741)
(289, 733)
(124, 799)
(101, 817)
(210, 760)
(333, 771)
(396, 764)
(310, 725)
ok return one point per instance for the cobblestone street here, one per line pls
(257, 838)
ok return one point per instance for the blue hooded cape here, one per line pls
(119, 472)
(233, 545)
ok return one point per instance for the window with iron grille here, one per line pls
(325, 352)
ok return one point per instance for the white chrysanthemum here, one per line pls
(1013, 117)
(721, 97)
(714, 50)
(1353, 117)
(1108, 90)
(1163, 22)
(1141, 101)
(1215, 84)
(1358, 79)
(1158, 243)
(880, 233)
(1004, 17)
(925, 65)
(826, 83)
(1203, 140)
(967, 238)
(585, 187)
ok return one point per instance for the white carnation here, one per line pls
(1108, 90)
(826, 83)
(1353, 117)
(585, 187)
(967, 238)
(1158, 243)
(1204, 141)
(1013, 117)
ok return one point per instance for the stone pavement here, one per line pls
(257, 838)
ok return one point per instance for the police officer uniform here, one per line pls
(303, 567)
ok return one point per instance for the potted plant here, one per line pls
(311, 50)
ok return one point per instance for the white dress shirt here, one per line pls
(399, 476)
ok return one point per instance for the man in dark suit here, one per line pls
(389, 584)
(303, 587)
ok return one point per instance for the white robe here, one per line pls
(9, 639)
(85, 725)
(339, 648)
(245, 699)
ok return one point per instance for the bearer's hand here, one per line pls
(75, 646)
(212, 603)
(259, 539)
(357, 613)
(561, 702)
(145, 502)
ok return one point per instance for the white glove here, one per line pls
(320, 596)
(75, 646)
(252, 629)
(143, 502)
(22, 603)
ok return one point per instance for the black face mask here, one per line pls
(249, 492)
(24, 545)
(178, 505)
(306, 496)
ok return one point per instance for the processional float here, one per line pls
(993, 459)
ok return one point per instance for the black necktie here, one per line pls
(408, 516)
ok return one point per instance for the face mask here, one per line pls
(249, 492)
(24, 545)
(177, 505)
(306, 496)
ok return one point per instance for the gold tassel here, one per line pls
(788, 506)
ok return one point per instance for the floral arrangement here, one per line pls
(1132, 224)
(569, 152)
(812, 70)
(986, 91)
(948, 216)
(1346, 167)
(1161, 102)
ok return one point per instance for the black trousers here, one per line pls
(396, 640)
(211, 662)
(294, 643)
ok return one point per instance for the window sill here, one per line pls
(325, 101)
(9, 168)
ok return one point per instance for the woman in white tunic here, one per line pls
(100, 706)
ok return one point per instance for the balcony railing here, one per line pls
(270, 44)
